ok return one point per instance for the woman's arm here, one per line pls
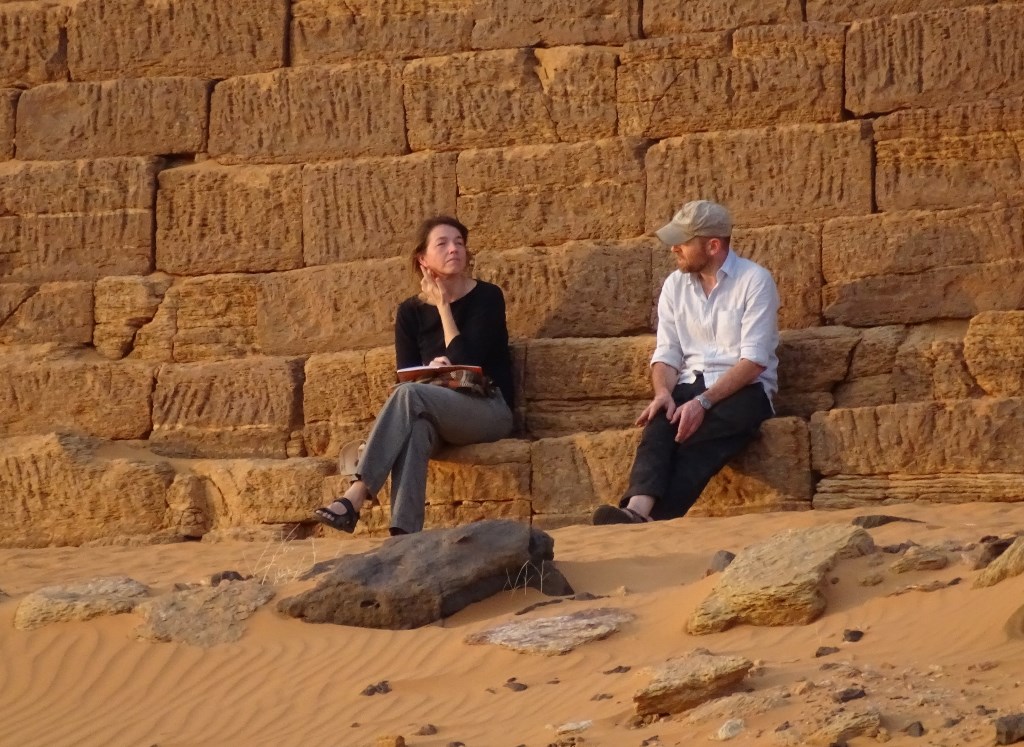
(407, 351)
(483, 330)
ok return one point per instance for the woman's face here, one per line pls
(445, 254)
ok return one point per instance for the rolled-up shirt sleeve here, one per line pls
(759, 334)
(668, 349)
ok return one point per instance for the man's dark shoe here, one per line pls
(616, 515)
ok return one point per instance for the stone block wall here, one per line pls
(206, 208)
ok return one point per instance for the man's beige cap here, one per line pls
(698, 218)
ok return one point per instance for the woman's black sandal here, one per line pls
(345, 522)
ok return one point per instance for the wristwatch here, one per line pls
(704, 401)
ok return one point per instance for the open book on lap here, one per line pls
(416, 372)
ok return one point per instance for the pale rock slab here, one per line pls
(1007, 565)
(815, 359)
(204, 616)
(76, 220)
(510, 97)
(309, 113)
(93, 397)
(220, 219)
(114, 595)
(371, 208)
(829, 174)
(545, 194)
(123, 305)
(949, 157)
(993, 350)
(833, 727)
(942, 293)
(324, 309)
(927, 438)
(919, 558)
(934, 58)
(580, 289)
(48, 312)
(930, 364)
(227, 408)
(336, 31)
(249, 493)
(8, 106)
(853, 491)
(500, 24)
(909, 243)
(688, 681)
(670, 18)
(413, 580)
(49, 478)
(779, 581)
(31, 50)
(126, 117)
(197, 319)
(859, 10)
(553, 636)
(134, 38)
(766, 75)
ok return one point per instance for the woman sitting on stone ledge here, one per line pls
(455, 320)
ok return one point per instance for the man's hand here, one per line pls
(661, 401)
(689, 416)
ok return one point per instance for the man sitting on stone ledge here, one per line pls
(714, 369)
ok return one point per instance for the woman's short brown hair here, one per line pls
(424, 235)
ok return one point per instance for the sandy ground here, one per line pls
(931, 657)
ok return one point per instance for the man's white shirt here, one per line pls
(710, 333)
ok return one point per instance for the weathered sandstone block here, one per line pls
(31, 50)
(580, 289)
(793, 256)
(859, 10)
(866, 391)
(510, 97)
(76, 220)
(126, 117)
(370, 208)
(852, 491)
(326, 309)
(912, 242)
(501, 24)
(50, 312)
(578, 384)
(333, 31)
(113, 595)
(816, 359)
(994, 349)
(930, 364)
(195, 319)
(687, 681)
(549, 194)
(227, 408)
(342, 394)
(264, 491)
(669, 17)
(8, 103)
(769, 75)
(98, 398)
(574, 474)
(214, 218)
(218, 39)
(309, 113)
(801, 404)
(871, 380)
(50, 477)
(585, 370)
(960, 436)
(947, 158)
(935, 58)
(957, 292)
(480, 474)
(828, 173)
